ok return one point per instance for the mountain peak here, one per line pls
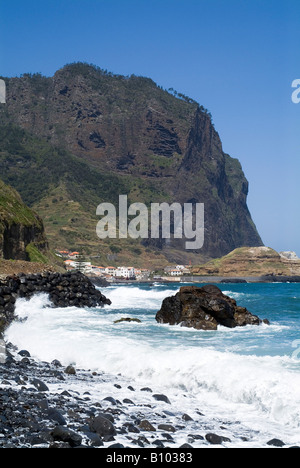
(129, 137)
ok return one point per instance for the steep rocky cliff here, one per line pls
(136, 139)
(22, 235)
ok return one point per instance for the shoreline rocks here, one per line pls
(43, 407)
(204, 308)
(64, 290)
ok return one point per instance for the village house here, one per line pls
(175, 272)
(69, 264)
(74, 255)
(125, 272)
(110, 270)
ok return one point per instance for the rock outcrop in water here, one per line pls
(65, 290)
(204, 309)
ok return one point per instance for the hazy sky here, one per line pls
(238, 58)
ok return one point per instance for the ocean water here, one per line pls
(246, 378)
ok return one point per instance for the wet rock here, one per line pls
(167, 427)
(39, 385)
(145, 425)
(132, 428)
(64, 434)
(215, 439)
(93, 439)
(107, 416)
(127, 401)
(102, 426)
(70, 370)
(64, 290)
(159, 443)
(111, 400)
(276, 443)
(24, 353)
(56, 363)
(56, 416)
(160, 397)
(204, 308)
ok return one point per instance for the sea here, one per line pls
(246, 380)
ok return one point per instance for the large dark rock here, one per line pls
(102, 426)
(64, 434)
(204, 309)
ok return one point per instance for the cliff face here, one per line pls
(159, 148)
(21, 230)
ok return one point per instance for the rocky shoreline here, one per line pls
(64, 290)
(47, 405)
(50, 405)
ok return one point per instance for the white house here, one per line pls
(175, 272)
(84, 267)
(110, 271)
(125, 272)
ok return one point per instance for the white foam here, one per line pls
(123, 297)
(260, 390)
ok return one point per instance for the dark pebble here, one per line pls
(145, 425)
(24, 353)
(276, 443)
(93, 439)
(39, 385)
(167, 427)
(161, 397)
(158, 443)
(215, 439)
(70, 370)
(64, 434)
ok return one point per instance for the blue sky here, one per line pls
(238, 58)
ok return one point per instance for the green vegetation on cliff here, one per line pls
(21, 229)
(86, 136)
(13, 210)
